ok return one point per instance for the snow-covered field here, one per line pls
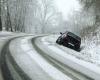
(89, 51)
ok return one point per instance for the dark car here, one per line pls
(70, 40)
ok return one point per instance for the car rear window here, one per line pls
(74, 36)
(73, 40)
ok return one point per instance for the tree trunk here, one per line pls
(0, 24)
(0, 18)
(8, 20)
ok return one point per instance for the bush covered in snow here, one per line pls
(91, 43)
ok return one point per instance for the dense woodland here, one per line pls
(41, 16)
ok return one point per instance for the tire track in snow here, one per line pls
(65, 69)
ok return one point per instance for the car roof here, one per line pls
(74, 36)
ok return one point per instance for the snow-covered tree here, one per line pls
(95, 6)
(45, 14)
(32, 16)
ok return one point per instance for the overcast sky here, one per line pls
(67, 6)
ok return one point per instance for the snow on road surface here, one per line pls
(36, 66)
(32, 63)
(4, 36)
(49, 41)
(59, 61)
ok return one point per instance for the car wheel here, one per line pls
(77, 47)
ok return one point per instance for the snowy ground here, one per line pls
(89, 52)
(4, 37)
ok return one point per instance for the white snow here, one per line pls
(52, 71)
(5, 32)
(86, 67)
(90, 52)
(48, 68)
(92, 48)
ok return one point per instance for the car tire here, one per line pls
(77, 47)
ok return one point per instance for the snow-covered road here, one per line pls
(59, 54)
(32, 63)
(4, 38)
(34, 58)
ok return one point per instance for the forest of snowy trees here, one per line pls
(32, 16)
(41, 16)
